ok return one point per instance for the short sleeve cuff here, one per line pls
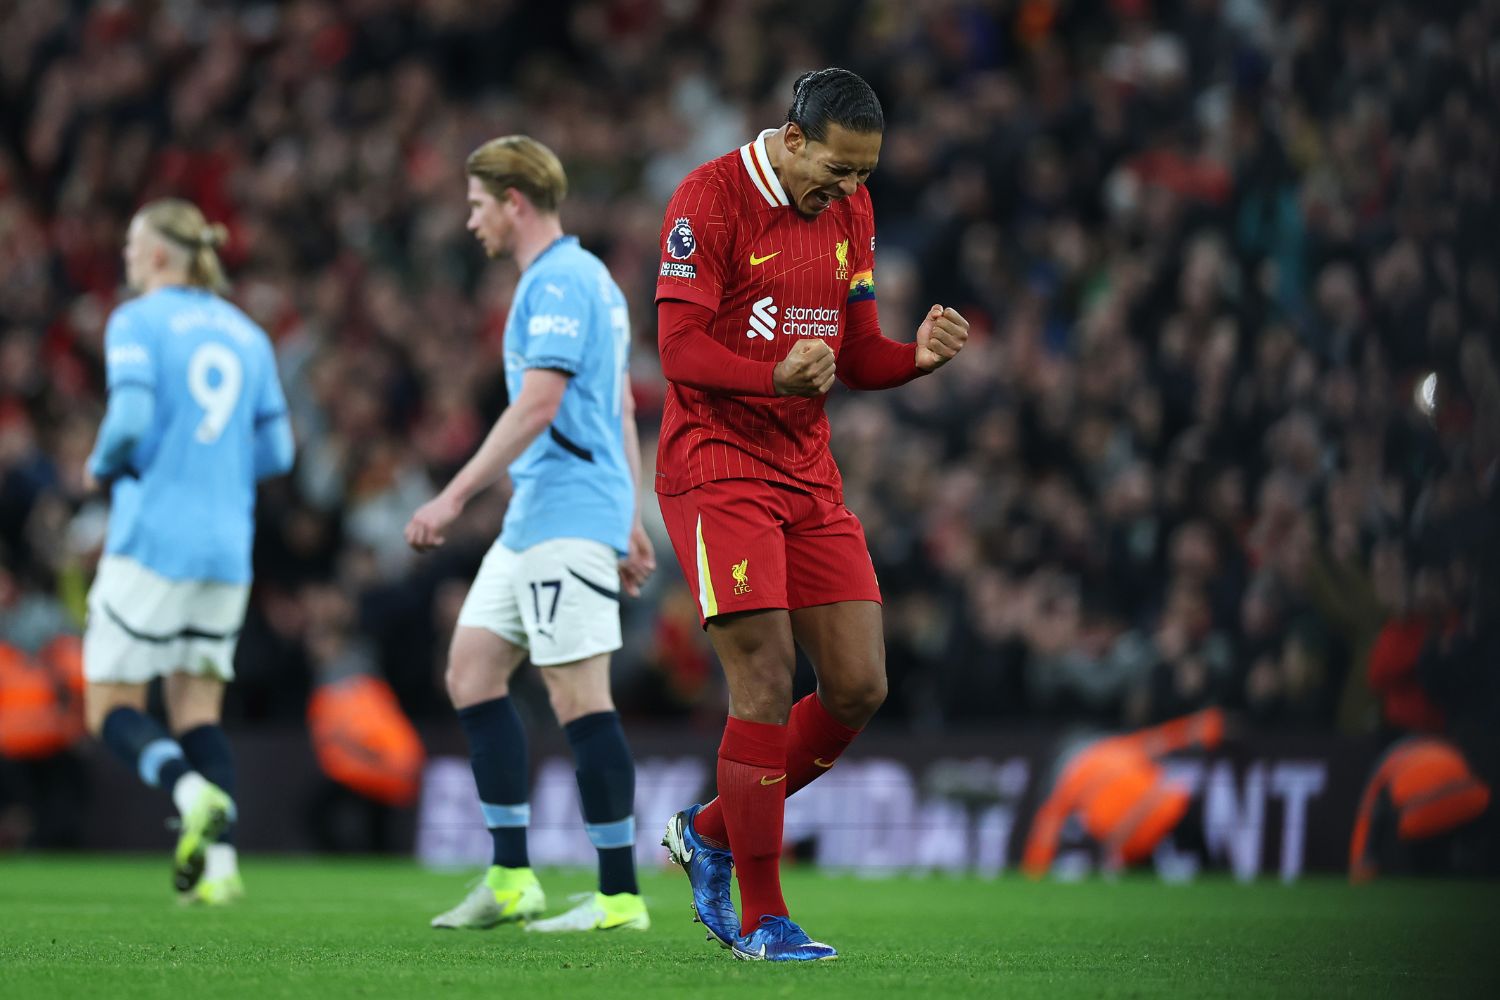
(554, 363)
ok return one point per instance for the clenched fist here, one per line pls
(428, 527)
(807, 370)
(941, 336)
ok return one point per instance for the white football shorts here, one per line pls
(559, 599)
(143, 625)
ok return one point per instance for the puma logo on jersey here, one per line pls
(763, 319)
(758, 261)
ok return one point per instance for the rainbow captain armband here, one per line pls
(862, 286)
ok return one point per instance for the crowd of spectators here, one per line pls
(1226, 430)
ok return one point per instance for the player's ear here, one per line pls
(795, 140)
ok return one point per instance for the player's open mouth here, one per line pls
(821, 200)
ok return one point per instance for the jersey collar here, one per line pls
(758, 165)
(560, 241)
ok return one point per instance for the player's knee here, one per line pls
(454, 682)
(759, 662)
(564, 706)
(855, 702)
(761, 696)
(186, 722)
(97, 704)
(94, 719)
(762, 706)
(756, 651)
(571, 705)
(875, 693)
(470, 682)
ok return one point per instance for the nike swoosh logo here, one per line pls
(772, 781)
(687, 856)
(757, 261)
(822, 763)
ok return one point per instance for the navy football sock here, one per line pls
(144, 745)
(208, 752)
(497, 752)
(606, 787)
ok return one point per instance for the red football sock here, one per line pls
(710, 824)
(814, 741)
(752, 793)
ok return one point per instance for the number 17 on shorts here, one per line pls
(559, 599)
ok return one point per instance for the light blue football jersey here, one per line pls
(572, 482)
(186, 508)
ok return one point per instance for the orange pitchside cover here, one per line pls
(1430, 786)
(364, 741)
(41, 699)
(1120, 793)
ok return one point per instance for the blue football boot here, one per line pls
(708, 871)
(777, 939)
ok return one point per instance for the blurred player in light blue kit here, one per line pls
(195, 419)
(572, 539)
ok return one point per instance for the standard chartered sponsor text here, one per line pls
(800, 321)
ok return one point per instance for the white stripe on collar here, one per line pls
(753, 155)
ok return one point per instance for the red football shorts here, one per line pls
(748, 544)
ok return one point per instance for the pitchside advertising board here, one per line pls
(1267, 806)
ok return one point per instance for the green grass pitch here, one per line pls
(107, 926)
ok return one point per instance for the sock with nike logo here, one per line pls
(752, 793)
(814, 741)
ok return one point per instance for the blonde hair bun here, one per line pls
(181, 223)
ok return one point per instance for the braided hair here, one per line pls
(834, 96)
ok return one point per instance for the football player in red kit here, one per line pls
(766, 294)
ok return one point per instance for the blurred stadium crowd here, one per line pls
(1226, 433)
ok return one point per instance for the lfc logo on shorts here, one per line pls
(841, 253)
(740, 571)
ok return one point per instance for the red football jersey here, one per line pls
(733, 243)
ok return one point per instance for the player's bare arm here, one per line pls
(941, 336)
(807, 370)
(640, 558)
(521, 423)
